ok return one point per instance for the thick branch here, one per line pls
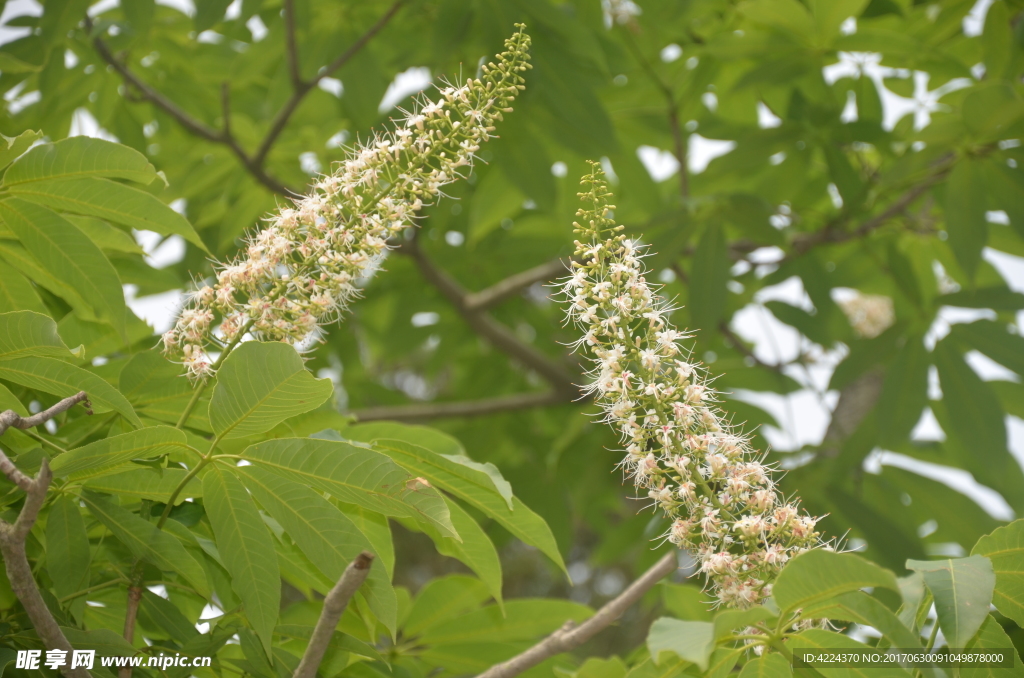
(571, 636)
(490, 329)
(514, 284)
(12, 537)
(469, 408)
(292, 53)
(856, 400)
(334, 605)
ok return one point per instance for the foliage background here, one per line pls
(825, 190)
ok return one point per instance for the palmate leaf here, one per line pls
(328, 538)
(111, 454)
(478, 489)
(818, 575)
(246, 547)
(59, 246)
(50, 375)
(962, 588)
(109, 200)
(1005, 548)
(79, 157)
(26, 333)
(259, 386)
(146, 542)
(354, 475)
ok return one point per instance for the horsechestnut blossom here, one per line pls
(680, 449)
(301, 271)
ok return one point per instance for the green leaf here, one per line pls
(146, 542)
(965, 213)
(708, 276)
(494, 201)
(50, 375)
(904, 392)
(475, 550)
(992, 637)
(915, 596)
(817, 639)
(27, 333)
(818, 574)
(109, 454)
(259, 386)
(354, 475)
(79, 157)
(12, 147)
(769, 665)
(8, 401)
(105, 236)
(962, 588)
(148, 483)
(1005, 549)
(377, 531)
(979, 422)
(244, 544)
(525, 619)
(17, 294)
(436, 441)
(993, 339)
(728, 621)
(693, 641)
(16, 256)
(109, 200)
(443, 599)
(67, 547)
(59, 246)
(478, 489)
(861, 608)
(339, 641)
(165, 615)
(325, 535)
(107, 643)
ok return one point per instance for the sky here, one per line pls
(804, 415)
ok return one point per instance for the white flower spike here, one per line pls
(680, 451)
(300, 271)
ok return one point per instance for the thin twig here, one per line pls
(334, 606)
(571, 636)
(514, 284)
(302, 87)
(13, 536)
(469, 408)
(490, 329)
(292, 48)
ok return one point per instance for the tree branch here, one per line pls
(12, 536)
(571, 636)
(512, 285)
(494, 332)
(302, 87)
(469, 408)
(334, 605)
(292, 53)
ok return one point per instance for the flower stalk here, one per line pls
(680, 448)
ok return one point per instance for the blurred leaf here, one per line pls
(904, 392)
(965, 213)
(708, 276)
(12, 147)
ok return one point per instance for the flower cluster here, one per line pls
(680, 451)
(869, 314)
(302, 269)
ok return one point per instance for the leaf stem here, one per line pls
(38, 438)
